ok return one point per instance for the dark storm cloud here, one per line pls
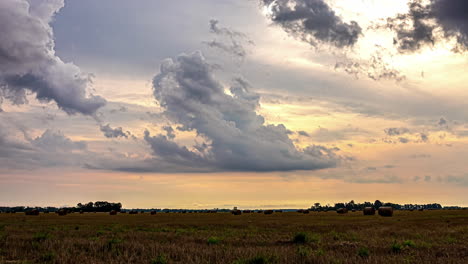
(313, 21)
(419, 27)
(28, 62)
(237, 138)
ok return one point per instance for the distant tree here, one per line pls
(377, 204)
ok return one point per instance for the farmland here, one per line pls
(439, 236)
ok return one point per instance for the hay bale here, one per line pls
(268, 212)
(368, 211)
(386, 211)
(260, 211)
(353, 210)
(246, 211)
(305, 211)
(62, 212)
(342, 211)
(32, 212)
(153, 212)
(236, 212)
(133, 212)
(113, 212)
(81, 212)
(300, 211)
(421, 209)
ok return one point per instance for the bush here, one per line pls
(213, 241)
(304, 238)
(363, 252)
(41, 236)
(161, 259)
(396, 247)
(256, 260)
(303, 251)
(111, 243)
(409, 243)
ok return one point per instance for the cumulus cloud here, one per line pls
(313, 21)
(28, 62)
(236, 137)
(425, 19)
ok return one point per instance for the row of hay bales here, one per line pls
(267, 212)
(383, 211)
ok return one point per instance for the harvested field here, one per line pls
(289, 237)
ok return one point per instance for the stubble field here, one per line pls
(407, 237)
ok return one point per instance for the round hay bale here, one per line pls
(32, 212)
(421, 209)
(268, 212)
(368, 211)
(386, 211)
(153, 212)
(113, 212)
(353, 210)
(305, 211)
(236, 212)
(260, 211)
(342, 211)
(62, 212)
(300, 211)
(133, 212)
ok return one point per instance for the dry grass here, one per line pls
(407, 237)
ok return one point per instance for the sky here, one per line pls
(223, 103)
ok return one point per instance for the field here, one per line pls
(407, 237)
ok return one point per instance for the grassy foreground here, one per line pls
(407, 237)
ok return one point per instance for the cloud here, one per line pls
(51, 148)
(57, 142)
(232, 42)
(420, 26)
(403, 140)
(303, 133)
(236, 137)
(28, 62)
(313, 21)
(395, 131)
(169, 132)
(424, 137)
(110, 132)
